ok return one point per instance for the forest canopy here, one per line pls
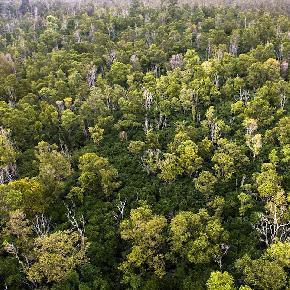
(144, 144)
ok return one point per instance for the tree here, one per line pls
(189, 160)
(119, 72)
(253, 141)
(215, 126)
(18, 225)
(283, 130)
(259, 73)
(183, 158)
(228, 158)
(275, 223)
(205, 183)
(220, 281)
(136, 147)
(262, 274)
(8, 157)
(48, 118)
(268, 182)
(145, 230)
(53, 165)
(17, 234)
(191, 59)
(96, 172)
(24, 194)
(55, 255)
(279, 251)
(197, 237)
(96, 134)
(71, 125)
(170, 167)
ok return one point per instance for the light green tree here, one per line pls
(8, 157)
(53, 165)
(228, 158)
(197, 237)
(189, 159)
(96, 134)
(220, 281)
(280, 252)
(55, 255)
(170, 167)
(96, 172)
(146, 232)
(24, 194)
(205, 183)
(262, 273)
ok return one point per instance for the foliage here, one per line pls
(144, 144)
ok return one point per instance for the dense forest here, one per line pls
(144, 145)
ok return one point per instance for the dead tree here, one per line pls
(223, 251)
(41, 225)
(91, 76)
(120, 210)
(77, 223)
(123, 136)
(273, 228)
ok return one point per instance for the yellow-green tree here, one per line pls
(145, 231)
(55, 255)
(220, 281)
(97, 172)
(8, 156)
(197, 237)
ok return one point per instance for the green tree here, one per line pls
(8, 156)
(228, 159)
(119, 72)
(262, 274)
(197, 237)
(53, 165)
(205, 183)
(96, 134)
(146, 232)
(96, 173)
(189, 160)
(25, 194)
(280, 252)
(220, 281)
(170, 167)
(55, 255)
